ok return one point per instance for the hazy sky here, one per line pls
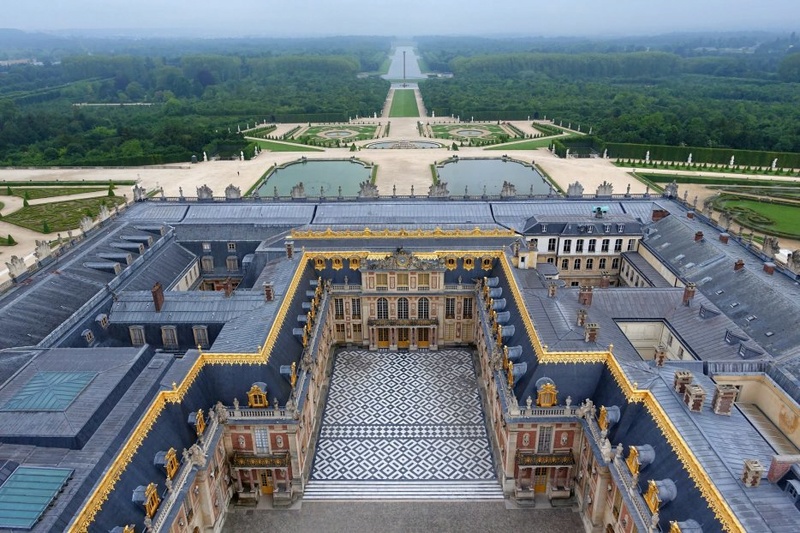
(404, 17)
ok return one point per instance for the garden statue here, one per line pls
(689, 160)
(647, 157)
(733, 160)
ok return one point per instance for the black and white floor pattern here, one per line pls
(404, 419)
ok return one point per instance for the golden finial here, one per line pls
(510, 372)
(174, 386)
(294, 374)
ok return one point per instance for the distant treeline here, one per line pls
(200, 102)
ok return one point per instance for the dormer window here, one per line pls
(88, 336)
(487, 263)
(607, 228)
(620, 228)
(469, 263)
(319, 263)
(102, 319)
(257, 395)
(152, 500)
(355, 263)
(171, 463)
(337, 263)
(544, 228)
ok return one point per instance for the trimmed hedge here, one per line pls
(719, 156)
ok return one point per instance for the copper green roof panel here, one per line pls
(49, 391)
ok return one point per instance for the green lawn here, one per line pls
(404, 104)
(60, 216)
(763, 216)
(34, 193)
(286, 147)
(526, 145)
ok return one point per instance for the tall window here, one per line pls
(338, 308)
(579, 245)
(449, 307)
(402, 308)
(604, 245)
(615, 263)
(567, 245)
(618, 245)
(577, 265)
(340, 332)
(356, 307)
(565, 264)
(602, 263)
(169, 335)
(589, 264)
(402, 281)
(262, 440)
(467, 308)
(207, 263)
(232, 263)
(137, 335)
(423, 308)
(200, 336)
(545, 439)
(383, 309)
(631, 244)
(382, 281)
(551, 245)
(592, 244)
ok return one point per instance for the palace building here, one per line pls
(625, 356)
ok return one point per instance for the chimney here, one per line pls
(661, 355)
(698, 236)
(585, 295)
(658, 214)
(289, 248)
(269, 292)
(590, 332)
(682, 379)
(724, 396)
(738, 265)
(228, 287)
(605, 280)
(688, 293)
(723, 238)
(690, 214)
(551, 290)
(769, 268)
(581, 317)
(780, 465)
(694, 396)
(753, 470)
(158, 296)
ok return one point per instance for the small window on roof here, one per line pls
(206, 247)
(88, 336)
(720, 292)
(734, 305)
(769, 333)
(751, 318)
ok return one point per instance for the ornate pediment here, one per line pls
(402, 259)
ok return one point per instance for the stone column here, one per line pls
(295, 459)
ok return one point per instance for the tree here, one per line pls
(10, 240)
(24, 202)
(110, 189)
(789, 69)
(45, 227)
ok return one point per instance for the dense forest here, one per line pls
(746, 98)
(194, 102)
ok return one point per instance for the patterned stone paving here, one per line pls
(403, 416)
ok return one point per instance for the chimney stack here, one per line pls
(585, 295)
(698, 236)
(158, 296)
(289, 248)
(694, 396)
(690, 214)
(769, 268)
(228, 287)
(688, 293)
(753, 470)
(581, 317)
(780, 465)
(658, 214)
(682, 379)
(551, 290)
(738, 265)
(661, 355)
(605, 280)
(724, 396)
(723, 238)
(269, 292)
(590, 332)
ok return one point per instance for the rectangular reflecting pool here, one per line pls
(330, 175)
(488, 175)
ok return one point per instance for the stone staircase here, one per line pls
(318, 490)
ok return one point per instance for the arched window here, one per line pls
(383, 309)
(423, 308)
(402, 308)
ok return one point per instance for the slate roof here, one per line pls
(195, 307)
(742, 294)
(411, 214)
(646, 270)
(516, 215)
